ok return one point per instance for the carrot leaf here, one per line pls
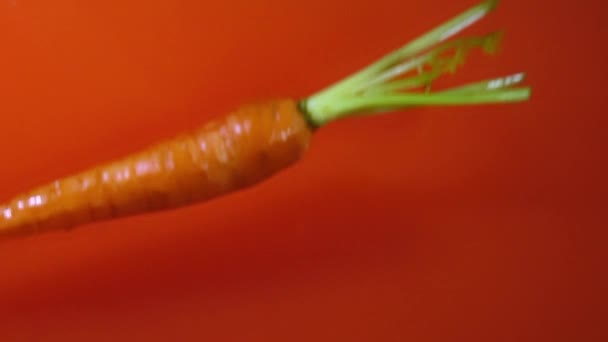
(403, 78)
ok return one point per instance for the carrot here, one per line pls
(239, 150)
(259, 140)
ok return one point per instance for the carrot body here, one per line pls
(226, 155)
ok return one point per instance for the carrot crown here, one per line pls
(403, 78)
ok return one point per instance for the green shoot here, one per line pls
(388, 84)
(439, 64)
(487, 85)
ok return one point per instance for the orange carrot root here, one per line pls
(226, 155)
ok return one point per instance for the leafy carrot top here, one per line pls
(403, 78)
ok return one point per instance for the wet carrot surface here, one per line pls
(444, 224)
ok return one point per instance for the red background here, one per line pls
(448, 224)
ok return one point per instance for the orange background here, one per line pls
(445, 224)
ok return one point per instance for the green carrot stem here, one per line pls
(440, 64)
(391, 102)
(487, 85)
(376, 88)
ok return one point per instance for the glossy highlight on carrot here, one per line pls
(258, 140)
